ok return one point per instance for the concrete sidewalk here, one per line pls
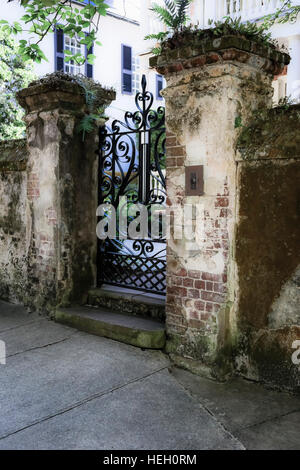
(64, 389)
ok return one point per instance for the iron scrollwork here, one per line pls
(132, 164)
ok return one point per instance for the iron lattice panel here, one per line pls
(126, 271)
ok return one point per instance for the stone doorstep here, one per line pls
(128, 301)
(140, 332)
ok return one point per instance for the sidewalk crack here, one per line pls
(44, 345)
(271, 418)
(37, 320)
(205, 407)
(83, 402)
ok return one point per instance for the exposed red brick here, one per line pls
(224, 213)
(171, 141)
(175, 151)
(209, 286)
(212, 57)
(170, 134)
(171, 299)
(209, 307)
(199, 305)
(222, 202)
(180, 161)
(198, 61)
(212, 297)
(193, 293)
(194, 315)
(187, 282)
(200, 285)
(194, 274)
(212, 277)
(180, 272)
(171, 162)
(177, 281)
(181, 291)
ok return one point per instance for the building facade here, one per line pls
(287, 34)
(117, 63)
(202, 12)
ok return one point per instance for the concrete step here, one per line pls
(141, 332)
(128, 301)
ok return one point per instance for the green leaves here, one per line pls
(43, 16)
(243, 28)
(238, 122)
(14, 75)
(287, 13)
(159, 36)
(31, 52)
(164, 15)
(174, 14)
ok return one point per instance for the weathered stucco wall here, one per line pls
(13, 219)
(48, 207)
(214, 87)
(62, 190)
(267, 248)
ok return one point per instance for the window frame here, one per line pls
(159, 78)
(126, 71)
(88, 69)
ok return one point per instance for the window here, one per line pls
(130, 71)
(159, 86)
(126, 69)
(72, 45)
(65, 42)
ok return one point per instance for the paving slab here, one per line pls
(259, 417)
(13, 315)
(153, 413)
(33, 335)
(49, 377)
(282, 433)
(65, 389)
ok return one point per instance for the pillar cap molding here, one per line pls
(197, 53)
(60, 91)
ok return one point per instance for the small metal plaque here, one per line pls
(194, 181)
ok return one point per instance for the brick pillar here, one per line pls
(61, 191)
(213, 86)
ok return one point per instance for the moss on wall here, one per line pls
(271, 134)
(268, 235)
(13, 159)
(267, 245)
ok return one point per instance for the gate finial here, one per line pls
(144, 83)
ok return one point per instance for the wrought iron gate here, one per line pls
(132, 165)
